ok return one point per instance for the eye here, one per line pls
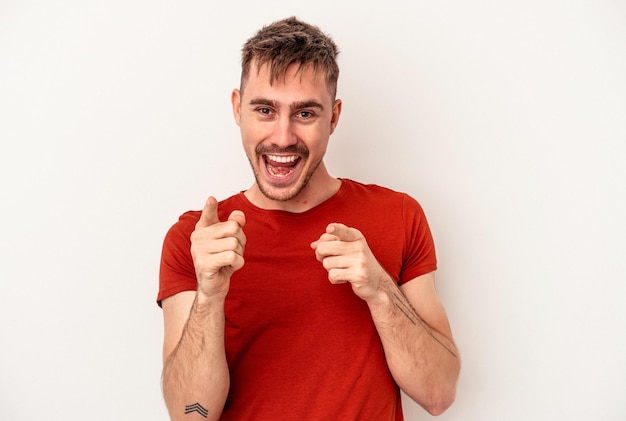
(264, 110)
(304, 114)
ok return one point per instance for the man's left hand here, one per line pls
(344, 253)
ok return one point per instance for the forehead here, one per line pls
(295, 78)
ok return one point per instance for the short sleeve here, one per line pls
(176, 272)
(419, 255)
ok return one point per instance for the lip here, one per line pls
(276, 174)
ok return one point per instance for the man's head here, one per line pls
(286, 110)
(287, 42)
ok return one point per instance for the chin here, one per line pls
(280, 194)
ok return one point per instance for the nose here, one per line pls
(283, 134)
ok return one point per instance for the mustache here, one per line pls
(289, 150)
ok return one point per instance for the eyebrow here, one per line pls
(293, 106)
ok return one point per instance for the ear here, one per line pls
(235, 100)
(335, 117)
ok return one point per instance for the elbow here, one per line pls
(438, 408)
(436, 392)
(435, 399)
(442, 392)
(438, 403)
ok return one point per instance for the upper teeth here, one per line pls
(282, 159)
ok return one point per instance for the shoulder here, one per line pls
(357, 187)
(384, 196)
(182, 229)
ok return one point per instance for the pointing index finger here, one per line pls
(343, 232)
(209, 214)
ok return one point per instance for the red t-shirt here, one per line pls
(299, 347)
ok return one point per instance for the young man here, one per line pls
(305, 297)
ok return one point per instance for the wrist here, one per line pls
(205, 302)
(381, 301)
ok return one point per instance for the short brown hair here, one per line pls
(291, 41)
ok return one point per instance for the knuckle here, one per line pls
(194, 236)
(232, 243)
(232, 226)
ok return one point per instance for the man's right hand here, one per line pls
(217, 249)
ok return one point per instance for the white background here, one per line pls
(506, 120)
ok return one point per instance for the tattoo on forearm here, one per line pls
(196, 407)
(409, 312)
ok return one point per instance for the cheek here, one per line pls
(247, 140)
(251, 133)
(318, 144)
(254, 129)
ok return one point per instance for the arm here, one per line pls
(411, 321)
(195, 371)
(414, 329)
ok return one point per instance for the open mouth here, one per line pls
(281, 166)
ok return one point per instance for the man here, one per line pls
(305, 297)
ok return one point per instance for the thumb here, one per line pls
(209, 214)
(238, 216)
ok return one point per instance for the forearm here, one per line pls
(423, 361)
(195, 374)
